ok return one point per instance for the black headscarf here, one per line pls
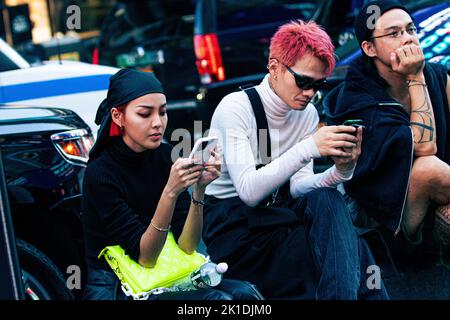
(124, 86)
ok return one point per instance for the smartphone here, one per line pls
(356, 123)
(201, 149)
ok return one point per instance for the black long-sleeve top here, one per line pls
(121, 191)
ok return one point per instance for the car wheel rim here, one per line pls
(34, 289)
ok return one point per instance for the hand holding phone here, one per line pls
(201, 151)
(356, 123)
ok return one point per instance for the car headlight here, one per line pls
(74, 145)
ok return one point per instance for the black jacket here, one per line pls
(380, 181)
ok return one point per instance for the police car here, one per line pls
(77, 86)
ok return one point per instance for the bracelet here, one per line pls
(159, 229)
(197, 202)
(417, 84)
(411, 83)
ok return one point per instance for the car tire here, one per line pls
(42, 278)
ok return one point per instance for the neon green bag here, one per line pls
(139, 282)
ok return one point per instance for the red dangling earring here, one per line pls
(115, 130)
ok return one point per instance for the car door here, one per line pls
(10, 274)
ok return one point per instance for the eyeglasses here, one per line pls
(398, 33)
(306, 83)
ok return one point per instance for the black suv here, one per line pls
(44, 153)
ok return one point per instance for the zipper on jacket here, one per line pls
(391, 104)
(407, 185)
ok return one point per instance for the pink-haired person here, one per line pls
(275, 222)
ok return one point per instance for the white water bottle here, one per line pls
(207, 276)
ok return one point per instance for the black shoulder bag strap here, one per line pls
(283, 192)
(261, 125)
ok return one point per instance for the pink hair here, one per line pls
(296, 38)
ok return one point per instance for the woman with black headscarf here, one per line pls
(133, 192)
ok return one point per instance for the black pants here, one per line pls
(104, 285)
(308, 250)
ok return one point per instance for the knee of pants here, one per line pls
(325, 194)
(326, 203)
(99, 292)
(241, 290)
(247, 291)
(218, 295)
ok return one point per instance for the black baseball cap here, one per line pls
(366, 19)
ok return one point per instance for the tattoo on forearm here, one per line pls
(424, 127)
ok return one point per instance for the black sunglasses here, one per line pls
(306, 83)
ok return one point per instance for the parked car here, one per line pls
(77, 86)
(11, 275)
(44, 153)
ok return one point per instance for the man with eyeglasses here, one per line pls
(273, 220)
(402, 180)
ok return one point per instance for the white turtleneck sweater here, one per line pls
(292, 146)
